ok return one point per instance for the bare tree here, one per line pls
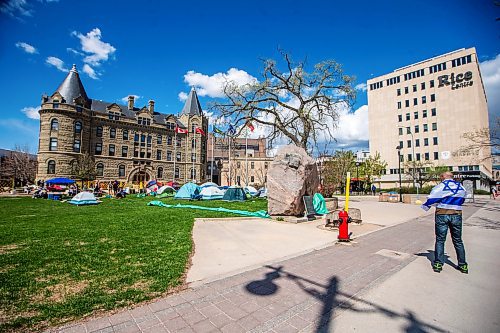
(84, 168)
(20, 166)
(422, 172)
(335, 170)
(481, 143)
(299, 106)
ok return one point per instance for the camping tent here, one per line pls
(84, 198)
(235, 193)
(60, 181)
(208, 184)
(188, 191)
(175, 185)
(252, 190)
(263, 193)
(151, 183)
(211, 193)
(166, 189)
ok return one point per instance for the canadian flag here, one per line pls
(250, 126)
(180, 130)
(200, 131)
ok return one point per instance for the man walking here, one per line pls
(448, 197)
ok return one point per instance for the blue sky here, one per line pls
(157, 49)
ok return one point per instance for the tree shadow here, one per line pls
(430, 256)
(332, 298)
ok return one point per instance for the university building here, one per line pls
(424, 109)
(128, 143)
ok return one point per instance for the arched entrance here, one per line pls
(140, 176)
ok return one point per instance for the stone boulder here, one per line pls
(291, 175)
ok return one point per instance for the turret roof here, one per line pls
(72, 87)
(192, 106)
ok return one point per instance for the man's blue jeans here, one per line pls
(454, 222)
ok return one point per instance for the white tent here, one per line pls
(166, 188)
(208, 184)
(211, 193)
(84, 198)
(250, 189)
(263, 192)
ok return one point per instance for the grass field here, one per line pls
(59, 262)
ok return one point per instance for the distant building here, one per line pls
(424, 109)
(362, 155)
(128, 143)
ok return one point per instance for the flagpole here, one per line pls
(246, 156)
(212, 168)
(192, 152)
(175, 155)
(229, 158)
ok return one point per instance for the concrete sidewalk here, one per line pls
(382, 282)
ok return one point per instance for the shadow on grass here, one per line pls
(332, 298)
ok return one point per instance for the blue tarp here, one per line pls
(188, 191)
(60, 181)
(260, 213)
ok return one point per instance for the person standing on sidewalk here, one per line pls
(448, 198)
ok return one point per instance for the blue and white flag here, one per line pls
(231, 130)
(448, 195)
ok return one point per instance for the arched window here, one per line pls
(54, 125)
(98, 131)
(112, 133)
(121, 171)
(51, 167)
(160, 173)
(193, 173)
(193, 127)
(78, 127)
(99, 169)
(177, 173)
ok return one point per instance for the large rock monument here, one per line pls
(292, 175)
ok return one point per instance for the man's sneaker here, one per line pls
(437, 267)
(463, 268)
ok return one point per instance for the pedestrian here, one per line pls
(493, 192)
(374, 189)
(115, 187)
(448, 198)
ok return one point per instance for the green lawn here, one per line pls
(59, 262)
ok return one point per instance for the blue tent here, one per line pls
(59, 181)
(188, 191)
(235, 193)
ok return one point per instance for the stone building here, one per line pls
(127, 143)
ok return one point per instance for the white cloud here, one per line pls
(490, 72)
(71, 50)
(31, 112)
(97, 50)
(352, 126)
(183, 96)
(26, 47)
(125, 99)
(212, 86)
(57, 63)
(361, 86)
(90, 72)
(16, 8)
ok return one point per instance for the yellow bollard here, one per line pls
(347, 190)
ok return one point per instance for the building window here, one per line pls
(433, 97)
(434, 126)
(76, 146)
(415, 115)
(136, 153)
(414, 88)
(177, 173)
(417, 142)
(193, 173)
(401, 144)
(400, 118)
(150, 140)
(79, 109)
(178, 157)
(408, 143)
(143, 140)
(417, 129)
(142, 154)
(125, 134)
(124, 151)
(148, 155)
(409, 158)
(78, 127)
(159, 139)
(399, 92)
(55, 105)
(417, 156)
(238, 164)
(252, 179)
(426, 156)
(415, 101)
(406, 90)
(407, 103)
(431, 83)
(433, 112)
(435, 140)
(426, 128)
(179, 142)
(193, 157)
(424, 99)
(169, 155)
(169, 140)
(266, 165)
(136, 138)
(408, 130)
(98, 148)
(53, 144)
(99, 169)
(111, 150)
(98, 131)
(112, 133)
(399, 105)
(51, 167)
(121, 171)
(193, 143)
(158, 154)
(160, 173)
(252, 165)
(408, 116)
(401, 131)
(422, 86)
(436, 155)
(426, 141)
(424, 113)
(54, 125)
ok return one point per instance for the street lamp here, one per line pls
(357, 177)
(408, 131)
(399, 172)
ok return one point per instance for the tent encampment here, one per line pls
(166, 189)
(84, 198)
(235, 193)
(188, 191)
(211, 193)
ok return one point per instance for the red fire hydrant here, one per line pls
(344, 219)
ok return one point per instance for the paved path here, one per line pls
(311, 292)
